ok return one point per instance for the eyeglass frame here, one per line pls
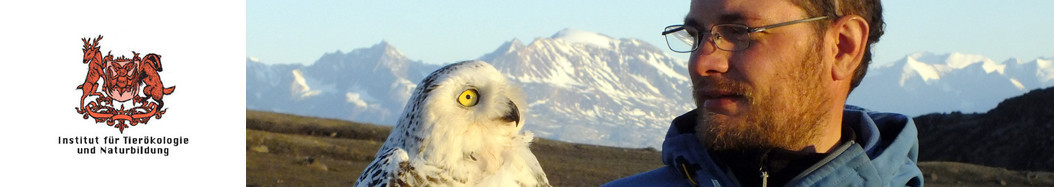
(715, 37)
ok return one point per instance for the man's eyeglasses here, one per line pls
(728, 37)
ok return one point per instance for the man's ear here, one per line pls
(850, 40)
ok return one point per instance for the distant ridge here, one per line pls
(1018, 134)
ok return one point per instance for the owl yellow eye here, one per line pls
(468, 98)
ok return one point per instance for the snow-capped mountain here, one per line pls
(589, 88)
(581, 86)
(924, 82)
(365, 85)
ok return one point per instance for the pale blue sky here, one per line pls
(444, 32)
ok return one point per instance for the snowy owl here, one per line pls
(461, 127)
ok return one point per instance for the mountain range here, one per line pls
(924, 82)
(587, 87)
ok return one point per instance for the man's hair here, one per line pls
(870, 10)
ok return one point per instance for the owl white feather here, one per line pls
(461, 127)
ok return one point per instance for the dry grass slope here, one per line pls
(962, 174)
(289, 150)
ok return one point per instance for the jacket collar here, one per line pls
(683, 151)
(881, 139)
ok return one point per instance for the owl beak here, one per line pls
(513, 115)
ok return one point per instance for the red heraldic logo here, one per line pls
(118, 102)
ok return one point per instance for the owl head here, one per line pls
(461, 111)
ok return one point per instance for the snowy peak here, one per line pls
(389, 56)
(584, 37)
(386, 48)
(962, 60)
(505, 48)
(931, 67)
(913, 67)
(564, 61)
(953, 61)
(588, 87)
(1045, 69)
(382, 60)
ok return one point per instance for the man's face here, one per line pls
(767, 95)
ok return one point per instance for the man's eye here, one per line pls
(736, 30)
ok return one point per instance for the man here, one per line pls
(770, 81)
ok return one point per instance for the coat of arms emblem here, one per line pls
(131, 91)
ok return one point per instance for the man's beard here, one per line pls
(788, 116)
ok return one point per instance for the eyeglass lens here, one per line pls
(680, 40)
(731, 37)
(726, 37)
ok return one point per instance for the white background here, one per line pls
(202, 44)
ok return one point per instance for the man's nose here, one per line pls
(707, 60)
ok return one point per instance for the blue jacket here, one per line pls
(884, 152)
